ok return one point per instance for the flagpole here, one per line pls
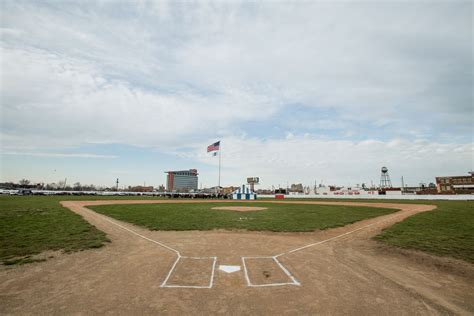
(219, 182)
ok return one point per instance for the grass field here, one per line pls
(31, 225)
(446, 231)
(278, 217)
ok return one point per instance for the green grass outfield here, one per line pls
(32, 224)
(445, 231)
(277, 218)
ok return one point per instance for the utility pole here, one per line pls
(116, 185)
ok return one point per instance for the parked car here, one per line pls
(25, 192)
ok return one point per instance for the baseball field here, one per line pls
(92, 255)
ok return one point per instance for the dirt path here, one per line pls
(343, 272)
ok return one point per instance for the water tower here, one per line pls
(385, 179)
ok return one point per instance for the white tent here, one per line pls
(244, 193)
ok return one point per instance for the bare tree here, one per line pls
(24, 182)
(51, 186)
(61, 184)
(161, 188)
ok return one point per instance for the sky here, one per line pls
(297, 92)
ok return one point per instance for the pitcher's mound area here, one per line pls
(240, 208)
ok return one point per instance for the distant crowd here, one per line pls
(170, 195)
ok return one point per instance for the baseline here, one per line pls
(294, 281)
(106, 218)
(178, 254)
(335, 237)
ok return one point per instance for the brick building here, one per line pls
(456, 184)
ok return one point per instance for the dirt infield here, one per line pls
(240, 208)
(339, 271)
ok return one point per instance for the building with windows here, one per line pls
(456, 184)
(182, 180)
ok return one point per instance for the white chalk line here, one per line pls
(211, 281)
(134, 232)
(250, 284)
(294, 280)
(212, 273)
(335, 237)
(171, 271)
(164, 246)
(245, 272)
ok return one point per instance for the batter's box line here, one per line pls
(178, 254)
(294, 281)
(211, 281)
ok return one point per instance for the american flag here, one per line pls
(214, 146)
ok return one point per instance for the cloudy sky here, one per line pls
(296, 92)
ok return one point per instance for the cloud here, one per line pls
(52, 100)
(305, 158)
(370, 79)
(156, 72)
(60, 155)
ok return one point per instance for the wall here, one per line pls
(459, 197)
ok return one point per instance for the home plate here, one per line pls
(229, 269)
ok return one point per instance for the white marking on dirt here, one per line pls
(134, 232)
(171, 271)
(294, 281)
(275, 258)
(335, 237)
(213, 270)
(178, 254)
(211, 281)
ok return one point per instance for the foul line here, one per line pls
(178, 254)
(335, 237)
(294, 280)
(249, 283)
(171, 271)
(134, 232)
